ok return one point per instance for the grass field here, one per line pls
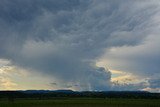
(83, 102)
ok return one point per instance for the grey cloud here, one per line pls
(140, 60)
(154, 83)
(129, 87)
(64, 38)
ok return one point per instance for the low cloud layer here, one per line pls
(64, 38)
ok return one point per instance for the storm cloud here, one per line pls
(64, 38)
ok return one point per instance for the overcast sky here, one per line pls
(80, 44)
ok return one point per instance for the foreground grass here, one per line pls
(83, 102)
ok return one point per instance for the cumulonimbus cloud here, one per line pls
(63, 38)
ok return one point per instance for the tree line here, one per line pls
(12, 95)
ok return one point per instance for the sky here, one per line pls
(83, 45)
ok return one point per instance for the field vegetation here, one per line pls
(68, 98)
(82, 102)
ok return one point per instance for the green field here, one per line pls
(83, 102)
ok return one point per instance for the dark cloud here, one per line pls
(154, 83)
(63, 38)
(129, 86)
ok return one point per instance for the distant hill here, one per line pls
(49, 94)
(46, 91)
